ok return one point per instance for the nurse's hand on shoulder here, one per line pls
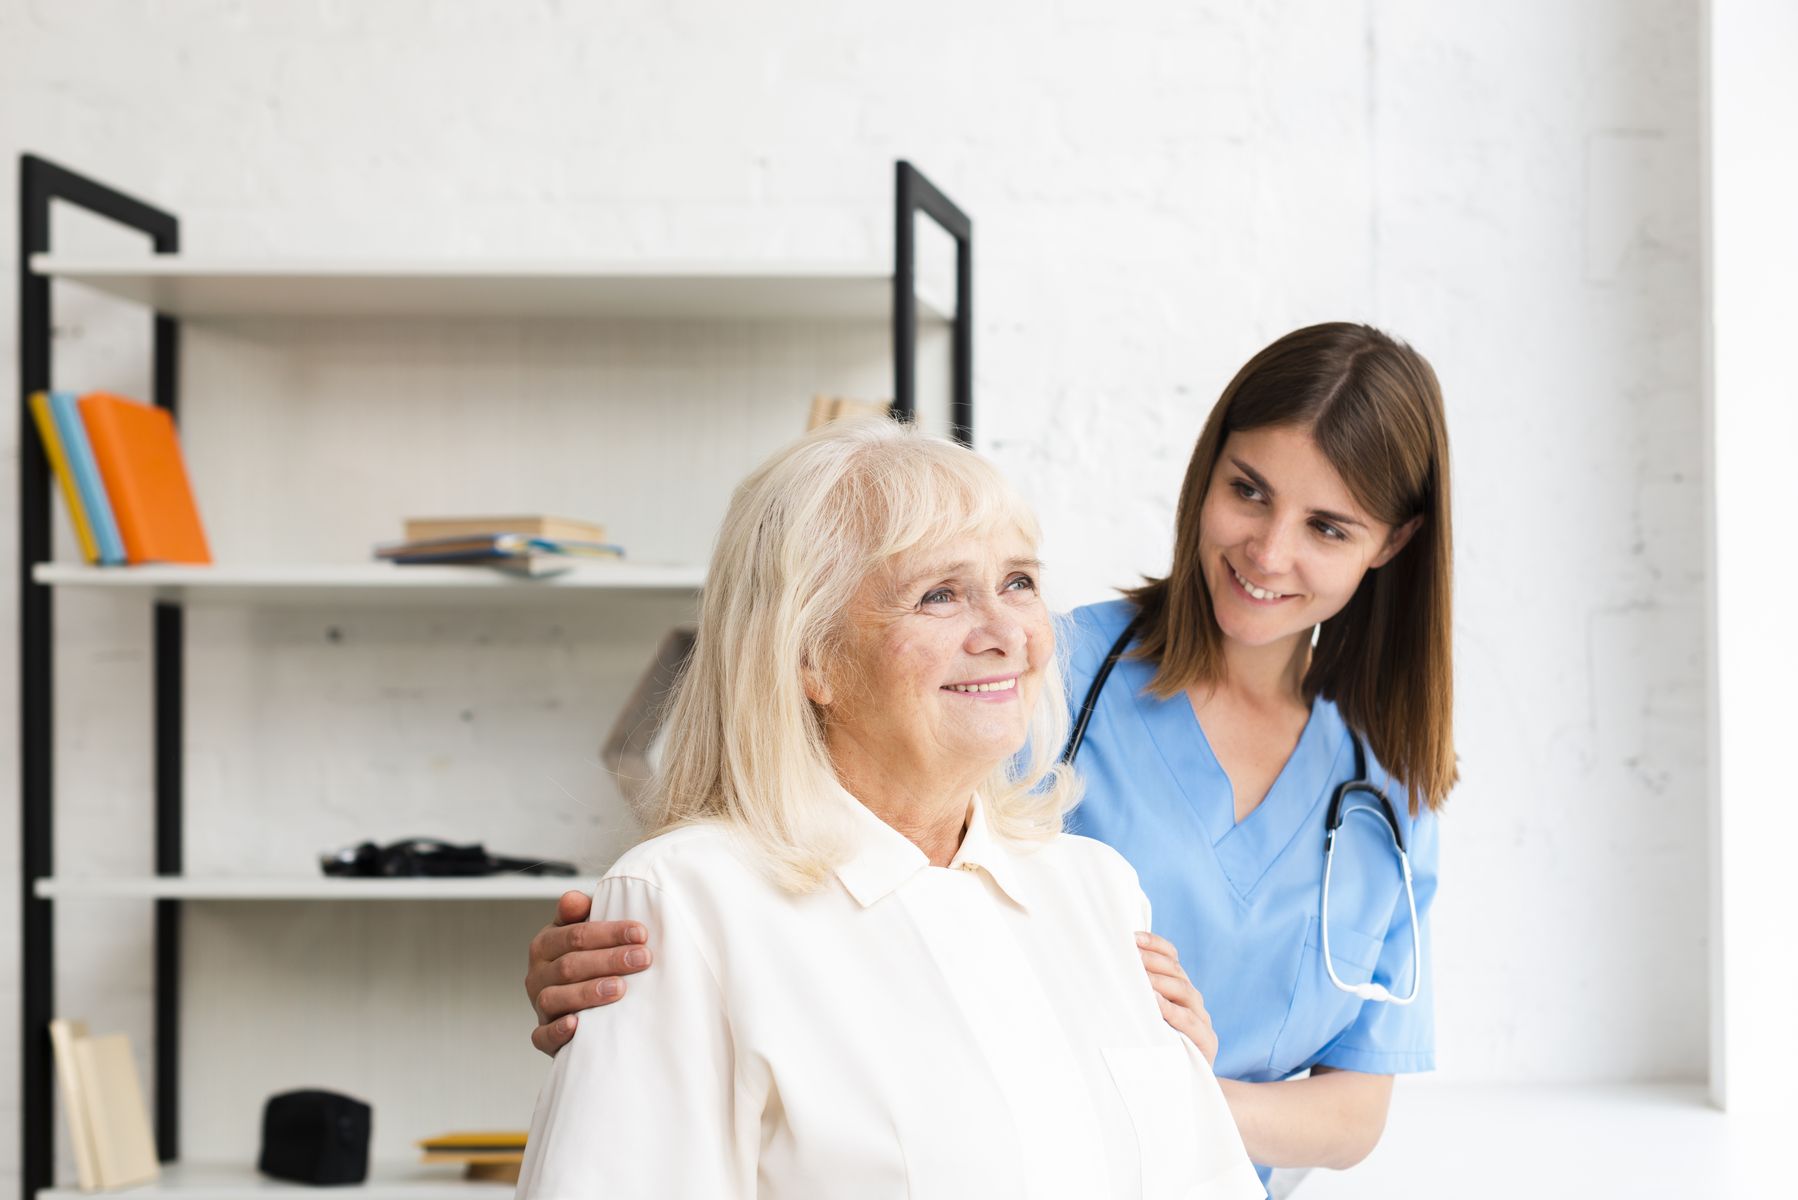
(1181, 1005)
(576, 964)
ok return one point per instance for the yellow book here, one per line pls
(484, 1140)
(59, 462)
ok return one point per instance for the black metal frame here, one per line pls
(41, 183)
(916, 194)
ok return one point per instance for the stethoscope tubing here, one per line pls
(1337, 814)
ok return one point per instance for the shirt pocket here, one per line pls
(1156, 1083)
(1320, 1010)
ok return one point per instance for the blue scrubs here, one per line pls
(1241, 901)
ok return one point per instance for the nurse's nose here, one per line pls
(1272, 549)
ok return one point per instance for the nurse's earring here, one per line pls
(1317, 633)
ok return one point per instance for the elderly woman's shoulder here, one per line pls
(698, 849)
(1076, 854)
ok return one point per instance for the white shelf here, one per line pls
(366, 583)
(229, 288)
(313, 887)
(217, 1181)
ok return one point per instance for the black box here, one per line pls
(315, 1137)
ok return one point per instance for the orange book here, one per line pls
(146, 480)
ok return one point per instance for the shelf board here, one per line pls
(220, 1181)
(187, 287)
(311, 887)
(365, 583)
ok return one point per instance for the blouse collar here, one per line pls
(882, 858)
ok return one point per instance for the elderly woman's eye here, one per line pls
(1022, 583)
(938, 596)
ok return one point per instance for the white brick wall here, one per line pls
(1158, 190)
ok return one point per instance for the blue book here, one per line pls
(80, 453)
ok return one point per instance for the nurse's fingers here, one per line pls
(1184, 1009)
(567, 954)
(1160, 964)
(574, 997)
(1195, 1030)
(553, 1036)
(1156, 963)
(1157, 943)
(1179, 989)
(1193, 1023)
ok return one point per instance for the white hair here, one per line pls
(745, 746)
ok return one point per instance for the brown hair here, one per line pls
(1374, 408)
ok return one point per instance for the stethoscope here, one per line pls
(1341, 807)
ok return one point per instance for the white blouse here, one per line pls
(982, 1030)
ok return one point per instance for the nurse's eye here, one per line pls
(1330, 532)
(1245, 489)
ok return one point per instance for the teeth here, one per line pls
(1004, 685)
(1258, 593)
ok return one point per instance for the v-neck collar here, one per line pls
(1245, 849)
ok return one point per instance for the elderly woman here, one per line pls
(881, 969)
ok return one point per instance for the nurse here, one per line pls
(1306, 615)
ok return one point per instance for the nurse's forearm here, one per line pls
(1333, 1119)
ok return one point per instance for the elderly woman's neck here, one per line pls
(930, 810)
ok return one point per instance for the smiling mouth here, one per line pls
(996, 685)
(1257, 593)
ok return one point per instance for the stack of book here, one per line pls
(532, 545)
(120, 466)
(106, 1116)
(490, 1156)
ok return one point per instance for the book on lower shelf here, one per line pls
(104, 1102)
(490, 1155)
(63, 1036)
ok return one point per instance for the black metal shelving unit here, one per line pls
(41, 183)
(915, 194)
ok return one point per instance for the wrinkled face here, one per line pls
(945, 659)
(1283, 543)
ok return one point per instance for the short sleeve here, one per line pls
(642, 1102)
(1396, 1039)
